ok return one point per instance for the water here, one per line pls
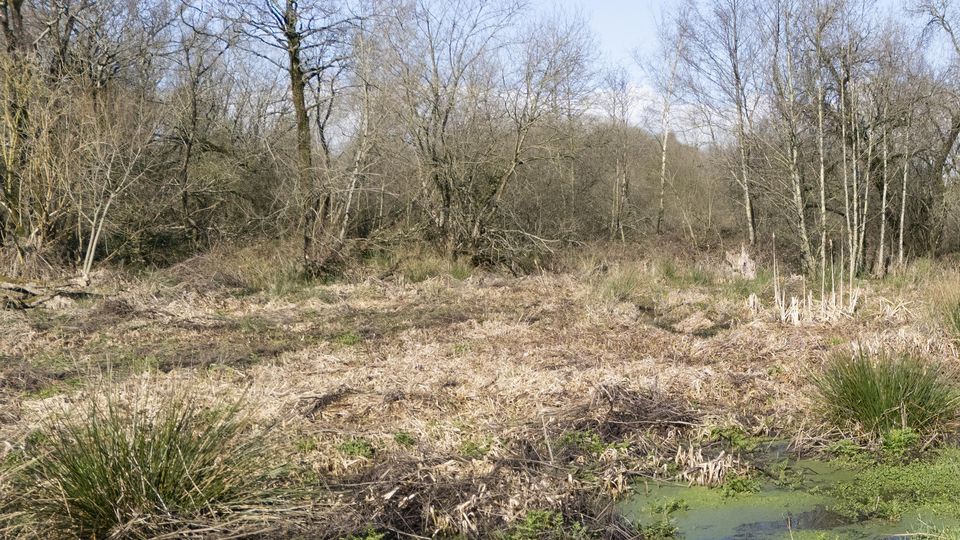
(801, 510)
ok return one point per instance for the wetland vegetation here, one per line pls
(575, 403)
(403, 269)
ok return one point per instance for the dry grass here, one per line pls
(459, 404)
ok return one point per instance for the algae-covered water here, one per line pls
(813, 503)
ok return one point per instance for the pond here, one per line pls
(804, 502)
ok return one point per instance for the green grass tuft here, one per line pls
(427, 266)
(887, 393)
(135, 470)
(619, 285)
(740, 485)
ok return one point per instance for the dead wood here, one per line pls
(16, 294)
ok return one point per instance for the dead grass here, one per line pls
(461, 404)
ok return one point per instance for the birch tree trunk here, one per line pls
(903, 207)
(881, 265)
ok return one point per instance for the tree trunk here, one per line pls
(745, 181)
(823, 190)
(903, 208)
(881, 266)
(298, 83)
(11, 20)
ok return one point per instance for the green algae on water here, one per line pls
(814, 500)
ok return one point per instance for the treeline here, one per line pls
(839, 121)
(148, 130)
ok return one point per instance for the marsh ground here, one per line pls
(429, 398)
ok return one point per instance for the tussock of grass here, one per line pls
(418, 269)
(274, 269)
(687, 274)
(913, 274)
(941, 292)
(888, 392)
(135, 470)
(619, 285)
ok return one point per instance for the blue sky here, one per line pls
(620, 25)
(624, 25)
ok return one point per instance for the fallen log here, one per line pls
(16, 294)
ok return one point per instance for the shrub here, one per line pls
(887, 393)
(124, 467)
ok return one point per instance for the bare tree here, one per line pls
(720, 60)
(618, 104)
(787, 104)
(308, 41)
(672, 43)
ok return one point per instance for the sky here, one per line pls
(623, 26)
(620, 25)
